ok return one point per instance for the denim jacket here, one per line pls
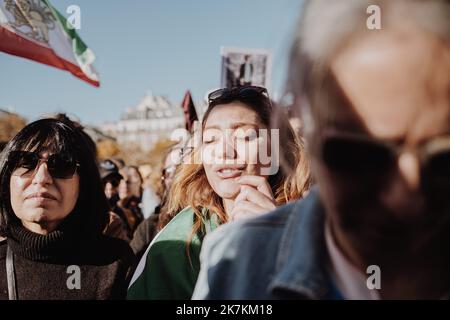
(281, 255)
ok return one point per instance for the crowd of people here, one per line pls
(251, 208)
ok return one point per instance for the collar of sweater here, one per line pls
(60, 246)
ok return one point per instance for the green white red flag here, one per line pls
(35, 30)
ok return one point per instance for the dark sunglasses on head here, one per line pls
(230, 93)
(350, 153)
(60, 166)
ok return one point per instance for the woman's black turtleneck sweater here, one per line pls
(41, 265)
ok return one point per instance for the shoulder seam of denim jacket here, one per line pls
(300, 264)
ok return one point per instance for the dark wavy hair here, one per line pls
(58, 135)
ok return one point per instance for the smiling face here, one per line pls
(40, 201)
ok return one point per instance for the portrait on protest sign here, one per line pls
(245, 67)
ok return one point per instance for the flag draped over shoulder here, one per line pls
(35, 30)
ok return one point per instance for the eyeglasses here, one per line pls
(185, 151)
(168, 172)
(241, 91)
(60, 166)
(350, 153)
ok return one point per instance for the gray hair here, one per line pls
(325, 27)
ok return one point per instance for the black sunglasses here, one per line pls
(230, 93)
(359, 155)
(60, 166)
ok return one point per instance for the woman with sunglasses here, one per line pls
(227, 179)
(53, 211)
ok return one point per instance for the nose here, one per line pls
(402, 193)
(41, 175)
(228, 149)
(409, 168)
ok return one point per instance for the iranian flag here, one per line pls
(35, 30)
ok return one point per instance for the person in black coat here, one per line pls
(52, 212)
(246, 70)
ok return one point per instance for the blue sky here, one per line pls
(162, 46)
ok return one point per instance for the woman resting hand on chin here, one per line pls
(229, 177)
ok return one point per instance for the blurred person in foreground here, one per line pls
(234, 175)
(53, 212)
(376, 111)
